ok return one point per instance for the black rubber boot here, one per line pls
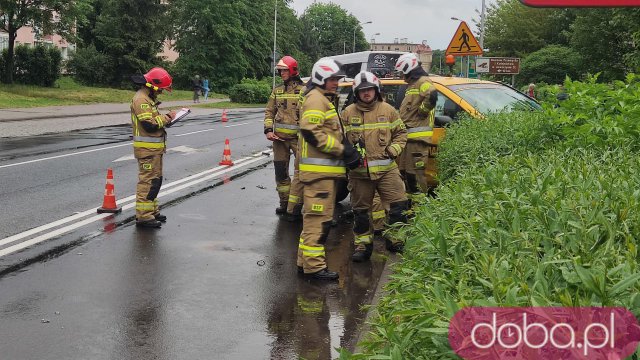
(324, 274)
(300, 270)
(152, 224)
(160, 217)
(292, 217)
(362, 255)
(394, 248)
(282, 210)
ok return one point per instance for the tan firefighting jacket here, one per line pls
(320, 139)
(145, 110)
(377, 127)
(283, 110)
(416, 111)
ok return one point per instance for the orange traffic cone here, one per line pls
(226, 155)
(109, 202)
(224, 116)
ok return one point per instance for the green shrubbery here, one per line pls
(250, 91)
(90, 67)
(37, 65)
(535, 209)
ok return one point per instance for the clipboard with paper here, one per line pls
(180, 115)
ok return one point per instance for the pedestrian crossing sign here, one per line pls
(463, 42)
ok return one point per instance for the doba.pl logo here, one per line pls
(486, 333)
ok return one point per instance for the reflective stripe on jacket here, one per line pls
(378, 126)
(283, 110)
(320, 138)
(144, 109)
(416, 110)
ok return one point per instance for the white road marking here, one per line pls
(65, 155)
(175, 185)
(193, 132)
(103, 148)
(228, 126)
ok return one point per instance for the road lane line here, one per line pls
(83, 214)
(228, 126)
(65, 155)
(194, 132)
(66, 229)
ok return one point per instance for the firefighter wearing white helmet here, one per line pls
(281, 118)
(324, 155)
(417, 113)
(376, 130)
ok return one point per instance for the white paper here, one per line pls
(181, 115)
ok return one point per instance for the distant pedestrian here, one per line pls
(149, 137)
(205, 88)
(532, 91)
(197, 88)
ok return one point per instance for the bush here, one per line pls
(250, 91)
(90, 67)
(37, 65)
(551, 65)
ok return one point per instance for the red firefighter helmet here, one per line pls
(158, 78)
(288, 63)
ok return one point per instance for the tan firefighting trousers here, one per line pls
(414, 162)
(289, 192)
(149, 182)
(319, 202)
(378, 213)
(392, 192)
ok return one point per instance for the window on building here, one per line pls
(388, 47)
(4, 41)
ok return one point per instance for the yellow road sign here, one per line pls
(463, 42)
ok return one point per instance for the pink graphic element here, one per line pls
(326, 68)
(540, 333)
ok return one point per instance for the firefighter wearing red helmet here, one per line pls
(149, 138)
(281, 126)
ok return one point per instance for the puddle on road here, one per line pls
(310, 319)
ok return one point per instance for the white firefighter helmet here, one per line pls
(407, 62)
(365, 80)
(324, 69)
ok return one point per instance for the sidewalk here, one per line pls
(53, 112)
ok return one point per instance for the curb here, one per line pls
(385, 277)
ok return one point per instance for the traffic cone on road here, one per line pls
(109, 202)
(226, 155)
(224, 116)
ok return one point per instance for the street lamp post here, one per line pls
(482, 16)
(354, 33)
(373, 37)
(275, 29)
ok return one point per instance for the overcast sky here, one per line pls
(416, 20)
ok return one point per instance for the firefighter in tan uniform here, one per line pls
(323, 156)
(417, 113)
(376, 130)
(281, 126)
(149, 138)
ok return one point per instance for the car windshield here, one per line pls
(493, 98)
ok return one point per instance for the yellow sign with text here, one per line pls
(463, 42)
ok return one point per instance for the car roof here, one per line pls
(442, 80)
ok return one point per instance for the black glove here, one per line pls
(351, 156)
(433, 98)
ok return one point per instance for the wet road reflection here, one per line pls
(309, 319)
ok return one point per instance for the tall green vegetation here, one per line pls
(535, 209)
(602, 41)
(45, 16)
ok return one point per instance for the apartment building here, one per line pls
(31, 37)
(424, 51)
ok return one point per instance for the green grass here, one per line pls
(68, 92)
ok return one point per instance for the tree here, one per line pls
(551, 65)
(48, 16)
(513, 29)
(604, 38)
(328, 30)
(130, 33)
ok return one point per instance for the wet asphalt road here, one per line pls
(218, 281)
